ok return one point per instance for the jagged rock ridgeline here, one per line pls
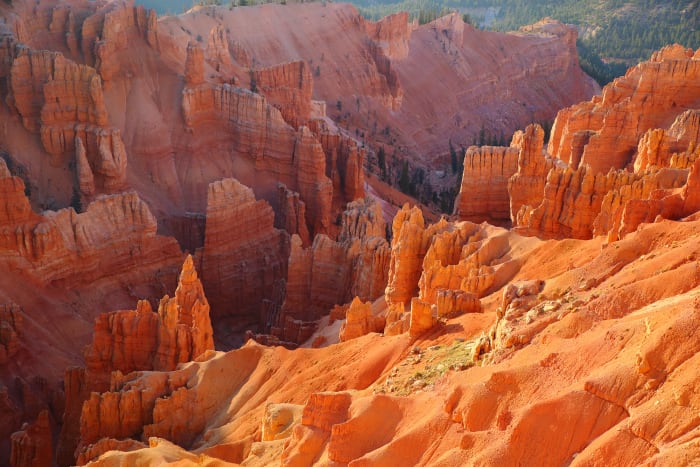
(312, 160)
(330, 273)
(442, 270)
(536, 330)
(578, 188)
(178, 332)
(69, 248)
(651, 95)
(384, 65)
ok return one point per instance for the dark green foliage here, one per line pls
(381, 161)
(453, 159)
(75, 201)
(253, 82)
(404, 180)
(614, 34)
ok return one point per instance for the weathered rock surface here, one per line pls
(178, 332)
(292, 214)
(11, 327)
(657, 146)
(331, 273)
(31, 447)
(244, 255)
(392, 34)
(280, 420)
(526, 186)
(582, 188)
(571, 316)
(128, 341)
(288, 87)
(483, 194)
(443, 269)
(72, 249)
(660, 203)
(649, 96)
(359, 320)
(373, 75)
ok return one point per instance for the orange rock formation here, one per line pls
(448, 335)
(244, 256)
(582, 188)
(331, 273)
(178, 332)
(32, 445)
(483, 194)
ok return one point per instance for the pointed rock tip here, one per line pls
(188, 273)
(4, 171)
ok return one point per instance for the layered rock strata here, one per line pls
(244, 255)
(127, 341)
(331, 273)
(441, 270)
(649, 96)
(483, 194)
(578, 188)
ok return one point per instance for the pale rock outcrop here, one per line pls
(359, 321)
(483, 194)
(517, 301)
(657, 146)
(279, 420)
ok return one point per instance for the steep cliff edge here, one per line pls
(128, 341)
(651, 95)
(330, 273)
(607, 153)
(243, 260)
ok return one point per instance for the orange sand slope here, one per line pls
(598, 366)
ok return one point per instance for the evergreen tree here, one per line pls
(453, 159)
(381, 161)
